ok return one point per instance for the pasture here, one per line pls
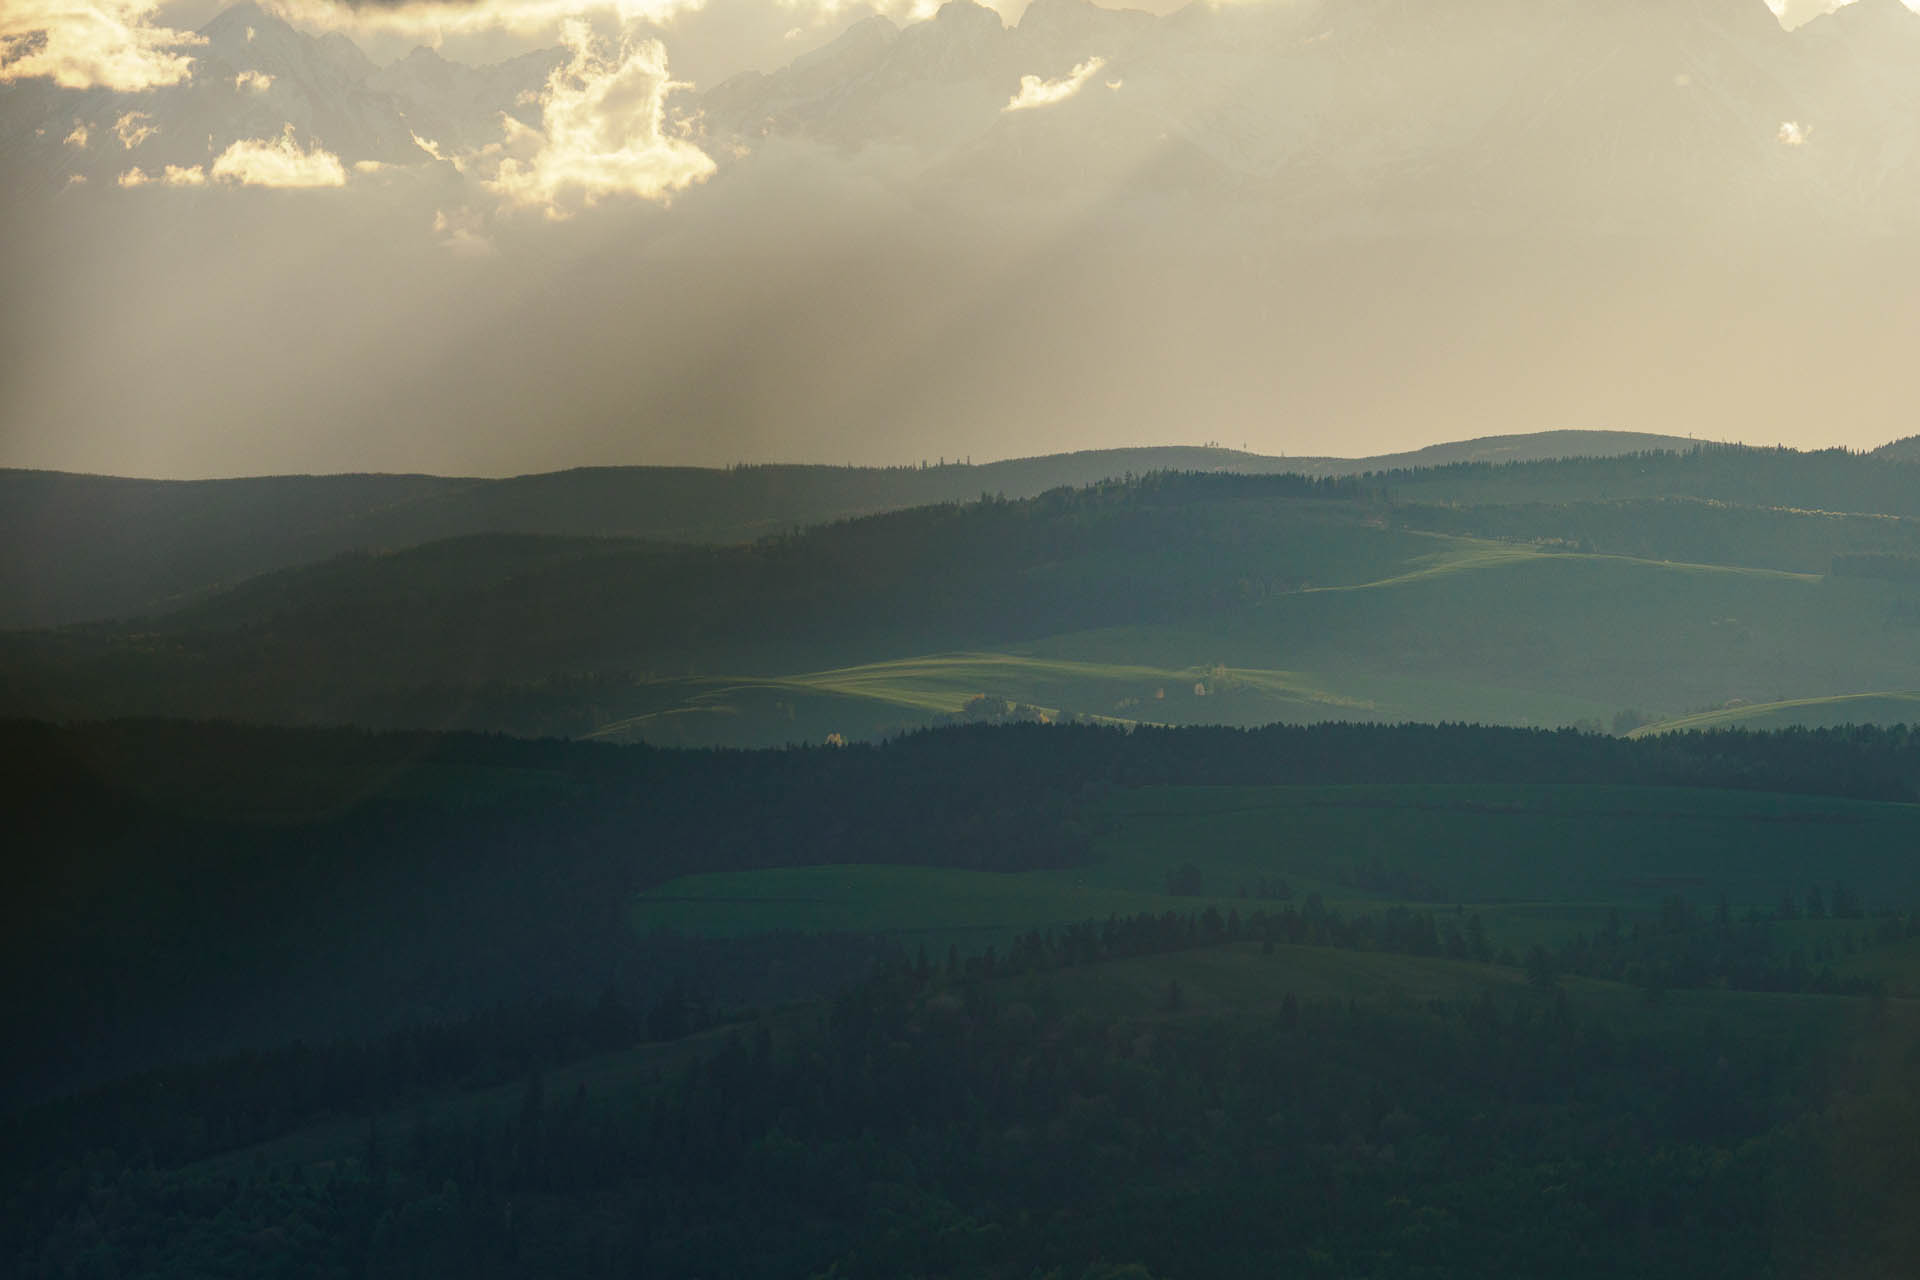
(1537, 863)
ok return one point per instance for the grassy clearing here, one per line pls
(1538, 863)
(1554, 638)
(1813, 713)
(1444, 628)
(878, 697)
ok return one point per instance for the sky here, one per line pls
(1335, 242)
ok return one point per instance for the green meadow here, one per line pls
(1537, 863)
(1807, 713)
(1451, 629)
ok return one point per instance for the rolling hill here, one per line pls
(80, 547)
(1507, 593)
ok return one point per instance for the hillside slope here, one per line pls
(1170, 599)
(77, 547)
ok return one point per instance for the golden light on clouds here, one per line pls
(603, 131)
(429, 20)
(253, 82)
(1036, 92)
(1792, 134)
(134, 128)
(278, 162)
(86, 44)
(1793, 13)
(172, 176)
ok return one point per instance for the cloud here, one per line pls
(434, 18)
(253, 81)
(78, 138)
(1035, 92)
(463, 232)
(603, 131)
(134, 128)
(278, 162)
(85, 44)
(1794, 13)
(1793, 134)
(172, 176)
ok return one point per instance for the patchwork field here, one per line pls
(1537, 863)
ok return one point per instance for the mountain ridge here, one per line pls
(82, 547)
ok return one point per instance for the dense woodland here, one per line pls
(186, 888)
(1374, 999)
(968, 1121)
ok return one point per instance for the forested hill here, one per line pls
(1610, 592)
(176, 889)
(78, 547)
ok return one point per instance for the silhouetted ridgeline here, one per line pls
(1818, 480)
(84, 547)
(81, 547)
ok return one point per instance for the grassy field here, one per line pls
(1537, 862)
(1444, 628)
(1521, 636)
(875, 698)
(1812, 713)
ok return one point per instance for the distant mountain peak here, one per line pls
(958, 12)
(242, 19)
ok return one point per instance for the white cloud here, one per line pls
(134, 128)
(172, 176)
(78, 138)
(84, 44)
(603, 131)
(253, 82)
(428, 20)
(278, 162)
(1035, 92)
(1793, 13)
(1793, 134)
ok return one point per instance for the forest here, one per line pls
(1426, 872)
(312, 1001)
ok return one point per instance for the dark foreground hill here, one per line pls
(79, 547)
(182, 888)
(1412, 1002)
(1610, 592)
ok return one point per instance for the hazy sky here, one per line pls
(1271, 228)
